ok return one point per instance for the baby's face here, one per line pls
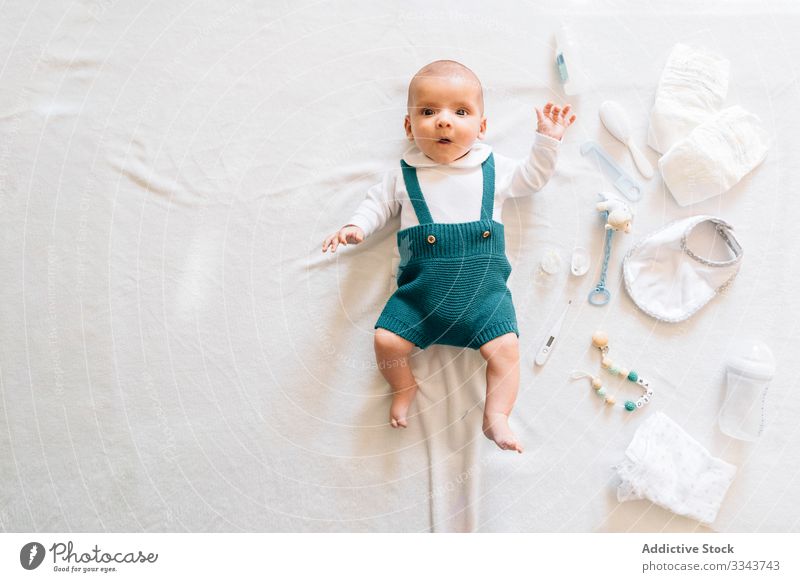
(445, 116)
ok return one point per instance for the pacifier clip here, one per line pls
(600, 341)
(600, 295)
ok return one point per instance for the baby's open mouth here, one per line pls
(444, 140)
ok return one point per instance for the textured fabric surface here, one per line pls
(177, 354)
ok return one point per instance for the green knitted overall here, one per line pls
(451, 282)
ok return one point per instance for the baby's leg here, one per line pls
(391, 352)
(502, 383)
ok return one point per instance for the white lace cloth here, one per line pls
(667, 466)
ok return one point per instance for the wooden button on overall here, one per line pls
(431, 239)
(486, 234)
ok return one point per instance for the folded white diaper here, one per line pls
(693, 86)
(715, 156)
(671, 469)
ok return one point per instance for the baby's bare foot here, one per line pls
(401, 401)
(495, 427)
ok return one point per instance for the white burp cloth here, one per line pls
(693, 86)
(715, 156)
(667, 466)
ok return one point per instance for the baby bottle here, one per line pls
(749, 370)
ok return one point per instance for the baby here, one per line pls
(451, 280)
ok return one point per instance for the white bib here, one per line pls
(667, 280)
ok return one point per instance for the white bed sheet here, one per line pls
(177, 355)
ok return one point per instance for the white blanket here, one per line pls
(176, 354)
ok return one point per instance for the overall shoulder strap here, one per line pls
(487, 203)
(415, 194)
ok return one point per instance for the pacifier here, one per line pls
(549, 266)
(579, 264)
(551, 262)
(749, 370)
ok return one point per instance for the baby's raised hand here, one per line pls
(553, 121)
(346, 234)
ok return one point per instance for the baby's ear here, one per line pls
(407, 124)
(482, 131)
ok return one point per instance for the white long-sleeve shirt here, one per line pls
(454, 192)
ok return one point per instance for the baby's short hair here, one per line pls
(446, 68)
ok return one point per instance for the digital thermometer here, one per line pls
(547, 346)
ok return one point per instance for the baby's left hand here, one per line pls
(554, 121)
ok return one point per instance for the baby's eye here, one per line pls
(427, 111)
(461, 112)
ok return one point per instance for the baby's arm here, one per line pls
(372, 214)
(532, 174)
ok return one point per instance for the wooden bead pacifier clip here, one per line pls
(600, 341)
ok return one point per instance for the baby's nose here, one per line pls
(443, 119)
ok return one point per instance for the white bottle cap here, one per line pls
(753, 359)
